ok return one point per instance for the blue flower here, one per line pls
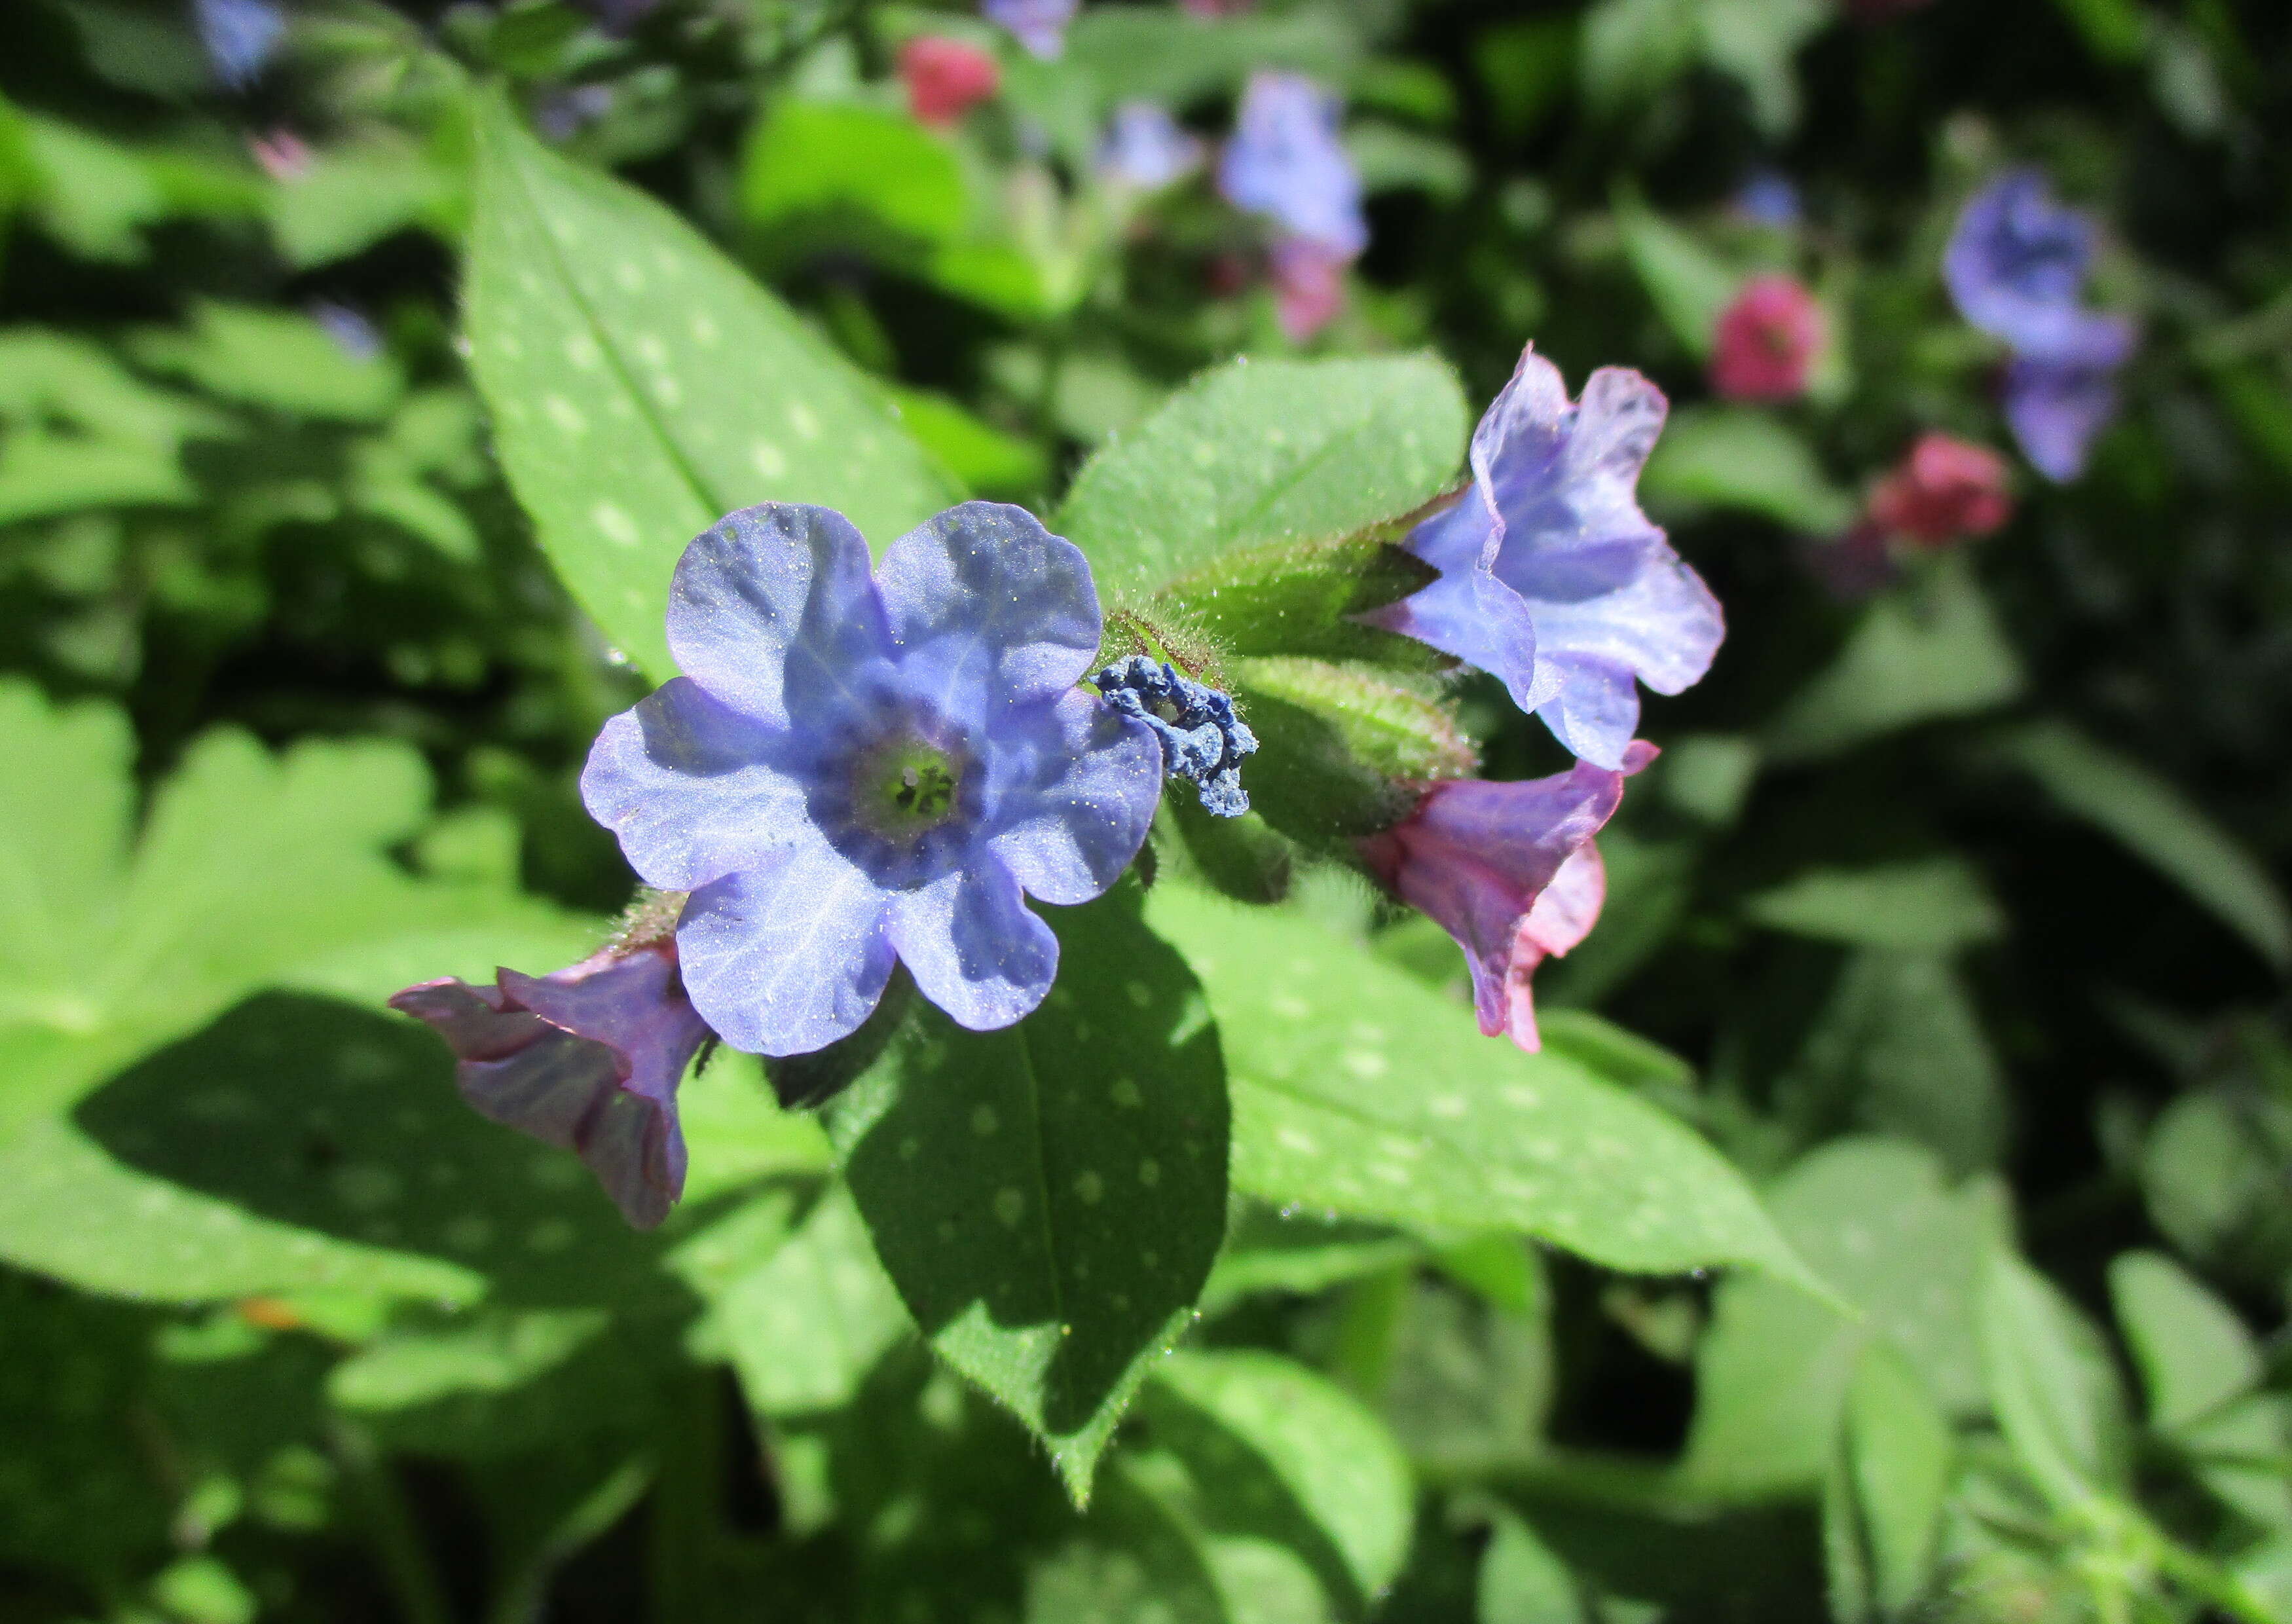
(1285, 160)
(1040, 25)
(1203, 741)
(855, 771)
(587, 1058)
(1146, 148)
(1768, 198)
(239, 36)
(2016, 267)
(1551, 577)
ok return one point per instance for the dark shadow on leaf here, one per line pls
(345, 1122)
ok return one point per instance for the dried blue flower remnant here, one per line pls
(856, 772)
(1203, 741)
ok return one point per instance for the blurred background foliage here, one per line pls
(1953, 911)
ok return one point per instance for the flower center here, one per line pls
(905, 787)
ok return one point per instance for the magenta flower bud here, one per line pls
(1509, 871)
(587, 1058)
(1309, 287)
(1766, 343)
(1944, 490)
(946, 78)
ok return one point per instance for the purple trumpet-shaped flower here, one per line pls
(1509, 871)
(2016, 267)
(1286, 161)
(855, 771)
(587, 1059)
(1040, 25)
(1203, 740)
(1145, 149)
(1552, 578)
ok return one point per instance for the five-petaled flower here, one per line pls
(1509, 871)
(1766, 341)
(587, 1058)
(855, 771)
(1552, 578)
(2016, 266)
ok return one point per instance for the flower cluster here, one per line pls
(1286, 161)
(859, 769)
(1203, 740)
(2016, 266)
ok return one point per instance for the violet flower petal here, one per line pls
(1074, 802)
(990, 575)
(975, 947)
(788, 955)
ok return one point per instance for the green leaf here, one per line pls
(2200, 1367)
(1356, 1090)
(1755, 43)
(274, 359)
(1899, 1048)
(805, 1325)
(981, 456)
(1688, 284)
(1467, 1380)
(2052, 1384)
(1876, 1220)
(1049, 1198)
(1333, 739)
(2195, 1354)
(2153, 818)
(1630, 50)
(1521, 1580)
(1934, 905)
(808, 156)
(1282, 1455)
(352, 197)
(1882, 1501)
(1918, 655)
(1738, 457)
(1391, 157)
(642, 386)
(1262, 452)
(1141, 52)
(1301, 1255)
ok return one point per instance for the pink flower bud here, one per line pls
(1766, 340)
(1944, 490)
(946, 78)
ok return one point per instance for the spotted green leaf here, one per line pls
(1282, 1454)
(642, 386)
(1048, 1197)
(1263, 452)
(1358, 1090)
